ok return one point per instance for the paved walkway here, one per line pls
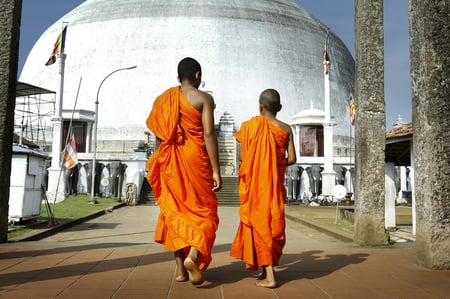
(113, 256)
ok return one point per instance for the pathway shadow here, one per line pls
(38, 264)
(306, 265)
(314, 264)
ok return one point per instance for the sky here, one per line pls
(37, 16)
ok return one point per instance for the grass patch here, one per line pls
(343, 224)
(403, 219)
(17, 230)
(73, 207)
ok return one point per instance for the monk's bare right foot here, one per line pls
(262, 275)
(266, 284)
(195, 275)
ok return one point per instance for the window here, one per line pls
(311, 141)
(80, 131)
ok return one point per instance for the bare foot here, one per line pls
(266, 284)
(181, 273)
(262, 275)
(181, 277)
(195, 275)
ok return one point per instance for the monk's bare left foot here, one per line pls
(195, 275)
(266, 284)
(181, 272)
(182, 276)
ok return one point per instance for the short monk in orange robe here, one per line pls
(184, 172)
(267, 148)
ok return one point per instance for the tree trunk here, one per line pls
(10, 14)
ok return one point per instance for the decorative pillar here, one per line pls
(403, 186)
(297, 141)
(328, 174)
(370, 132)
(227, 145)
(413, 192)
(430, 80)
(389, 220)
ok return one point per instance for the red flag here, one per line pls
(58, 47)
(70, 155)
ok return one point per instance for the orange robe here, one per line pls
(260, 237)
(180, 174)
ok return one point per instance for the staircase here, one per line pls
(228, 196)
(146, 196)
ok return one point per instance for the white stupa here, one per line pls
(243, 46)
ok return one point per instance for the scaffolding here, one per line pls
(34, 108)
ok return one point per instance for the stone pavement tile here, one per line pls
(75, 267)
(12, 283)
(92, 255)
(126, 253)
(52, 280)
(141, 294)
(186, 290)
(425, 278)
(406, 293)
(299, 288)
(312, 262)
(109, 281)
(335, 280)
(145, 285)
(41, 293)
(354, 293)
(91, 293)
(245, 287)
(377, 279)
(439, 292)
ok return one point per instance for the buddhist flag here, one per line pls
(58, 47)
(352, 110)
(70, 154)
(326, 55)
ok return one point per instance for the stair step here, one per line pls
(228, 196)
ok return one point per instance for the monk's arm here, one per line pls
(292, 157)
(211, 140)
(157, 143)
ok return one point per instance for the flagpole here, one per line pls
(61, 169)
(328, 174)
(93, 201)
(54, 171)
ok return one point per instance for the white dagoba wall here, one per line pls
(243, 46)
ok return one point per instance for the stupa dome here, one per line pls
(243, 46)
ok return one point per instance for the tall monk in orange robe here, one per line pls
(184, 172)
(267, 148)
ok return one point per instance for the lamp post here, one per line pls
(93, 201)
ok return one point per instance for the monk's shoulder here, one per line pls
(282, 125)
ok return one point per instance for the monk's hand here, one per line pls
(217, 182)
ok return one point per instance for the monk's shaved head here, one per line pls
(187, 68)
(270, 98)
